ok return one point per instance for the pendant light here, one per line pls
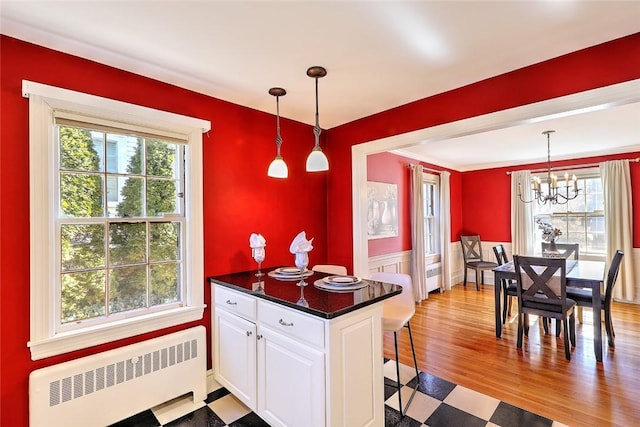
(317, 161)
(278, 168)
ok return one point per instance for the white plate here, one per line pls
(321, 284)
(294, 271)
(341, 280)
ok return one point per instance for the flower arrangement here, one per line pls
(549, 232)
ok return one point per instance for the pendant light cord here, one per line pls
(316, 129)
(278, 137)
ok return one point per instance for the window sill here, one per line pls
(79, 339)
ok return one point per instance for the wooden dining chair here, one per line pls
(569, 250)
(542, 290)
(509, 290)
(582, 296)
(472, 254)
(396, 314)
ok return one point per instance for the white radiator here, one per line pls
(433, 275)
(103, 388)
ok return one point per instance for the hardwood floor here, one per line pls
(454, 336)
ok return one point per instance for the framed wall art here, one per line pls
(382, 210)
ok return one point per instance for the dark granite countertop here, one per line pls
(322, 303)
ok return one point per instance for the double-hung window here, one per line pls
(116, 219)
(581, 220)
(430, 193)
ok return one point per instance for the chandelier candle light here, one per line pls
(556, 194)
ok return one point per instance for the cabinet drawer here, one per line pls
(297, 325)
(235, 302)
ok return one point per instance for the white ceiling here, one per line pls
(378, 55)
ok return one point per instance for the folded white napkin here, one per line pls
(256, 240)
(301, 244)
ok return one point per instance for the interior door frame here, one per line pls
(581, 102)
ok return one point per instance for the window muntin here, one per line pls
(108, 267)
(581, 220)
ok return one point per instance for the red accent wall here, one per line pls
(486, 197)
(239, 198)
(597, 66)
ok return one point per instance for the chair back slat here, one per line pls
(471, 248)
(570, 250)
(612, 276)
(541, 279)
(501, 255)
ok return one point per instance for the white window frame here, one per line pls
(44, 101)
(431, 179)
(580, 174)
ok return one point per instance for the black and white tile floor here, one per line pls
(437, 403)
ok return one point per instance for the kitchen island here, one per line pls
(299, 355)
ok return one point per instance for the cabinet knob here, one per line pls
(249, 333)
(231, 302)
(259, 336)
(283, 323)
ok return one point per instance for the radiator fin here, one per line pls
(70, 388)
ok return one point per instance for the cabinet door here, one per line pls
(291, 381)
(235, 356)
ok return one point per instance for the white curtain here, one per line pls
(417, 235)
(618, 218)
(445, 229)
(521, 214)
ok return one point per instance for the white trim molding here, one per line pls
(44, 101)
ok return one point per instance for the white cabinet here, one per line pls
(296, 369)
(235, 361)
(290, 381)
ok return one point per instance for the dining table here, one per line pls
(580, 274)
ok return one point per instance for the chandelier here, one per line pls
(556, 193)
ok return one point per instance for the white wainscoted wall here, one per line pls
(400, 262)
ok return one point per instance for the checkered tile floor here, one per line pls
(437, 403)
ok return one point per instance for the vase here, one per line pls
(552, 246)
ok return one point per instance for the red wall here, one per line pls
(488, 213)
(239, 198)
(394, 169)
(602, 65)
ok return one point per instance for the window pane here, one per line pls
(124, 154)
(161, 197)
(165, 285)
(78, 151)
(130, 198)
(161, 159)
(164, 244)
(82, 296)
(81, 195)
(127, 243)
(128, 288)
(82, 247)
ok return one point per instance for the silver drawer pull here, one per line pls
(283, 323)
(231, 302)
